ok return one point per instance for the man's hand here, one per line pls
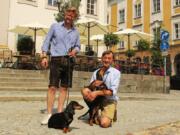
(44, 62)
(72, 53)
(91, 96)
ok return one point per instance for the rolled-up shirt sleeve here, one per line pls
(93, 77)
(114, 82)
(48, 38)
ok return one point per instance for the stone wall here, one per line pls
(131, 83)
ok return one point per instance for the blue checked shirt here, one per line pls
(61, 40)
(112, 80)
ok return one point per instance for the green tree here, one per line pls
(143, 45)
(62, 6)
(25, 45)
(156, 58)
(130, 53)
(110, 40)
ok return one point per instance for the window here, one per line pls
(52, 3)
(177, 30)
(177, 2)
(138, 10)
(91, 7)
(121, 44)
(136, 44)
(28, 2)
(156, 32)
(108, 18)
(156, 6)
(121, 16)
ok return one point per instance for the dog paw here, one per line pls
(91, 122)
(65, 130)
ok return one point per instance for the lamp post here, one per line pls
(164, 46)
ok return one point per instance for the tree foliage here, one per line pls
(62, 6)
(110, 39)
(25, 44)
(156, 58)
(130, 53)
(143, 45)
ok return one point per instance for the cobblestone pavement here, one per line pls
(139, 117)
(167, 129)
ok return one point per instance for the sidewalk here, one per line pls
(139, 114)
(41, 96)
(166, 129)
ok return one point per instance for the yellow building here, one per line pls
(147, 16)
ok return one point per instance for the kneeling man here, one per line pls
(111, 77)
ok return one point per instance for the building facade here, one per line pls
(147, 16)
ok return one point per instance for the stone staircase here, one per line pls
(22, 80)
(33, 84)
(28, 85)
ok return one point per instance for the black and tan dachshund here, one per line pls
(63, 120)
(94, 105)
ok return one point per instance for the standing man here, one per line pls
(111, 77)
(65, 44)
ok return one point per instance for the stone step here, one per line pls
(23, 79)
(32, 95)
(33, 88)
(26, 75)
(6, 70)
(23, 84)
(16, 88)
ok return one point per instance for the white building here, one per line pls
(16, 12)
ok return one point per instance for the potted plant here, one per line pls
(110, 39)
(25, 45)
(130, 53)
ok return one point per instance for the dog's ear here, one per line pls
(70, 108)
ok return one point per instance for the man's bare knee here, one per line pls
(52, 90)
(105, 122)
(63, 89)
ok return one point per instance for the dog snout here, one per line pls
(79, 107)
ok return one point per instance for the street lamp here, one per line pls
(158, 25)
(164, 38)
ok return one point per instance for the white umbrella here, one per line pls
(97, 38)
(32, 29)
(134, 34)
(89, 26)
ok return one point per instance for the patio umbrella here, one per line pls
(97, 38)
(32, 29)
(89, 26)
(133, 34)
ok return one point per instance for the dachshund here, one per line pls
(63, 120)
(95, 105)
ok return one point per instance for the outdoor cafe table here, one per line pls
(21, 59)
